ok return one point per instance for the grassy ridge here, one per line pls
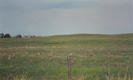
(44, 58)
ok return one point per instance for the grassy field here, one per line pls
(94, 57)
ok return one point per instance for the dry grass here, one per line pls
(112, 77)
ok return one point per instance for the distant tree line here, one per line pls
(7, 35)
(2, 35)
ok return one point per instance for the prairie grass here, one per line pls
(45, 58)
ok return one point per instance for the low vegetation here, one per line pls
(94, 57)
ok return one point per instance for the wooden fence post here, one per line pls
(69, 68)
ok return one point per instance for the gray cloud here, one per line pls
(48, 17)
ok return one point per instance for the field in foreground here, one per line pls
(94, 57)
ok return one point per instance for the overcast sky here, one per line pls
(52, 17)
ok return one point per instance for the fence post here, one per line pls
(69, 68)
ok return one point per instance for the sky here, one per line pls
(57, 17)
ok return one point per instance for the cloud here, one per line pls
(43, 4)
(48, 17)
